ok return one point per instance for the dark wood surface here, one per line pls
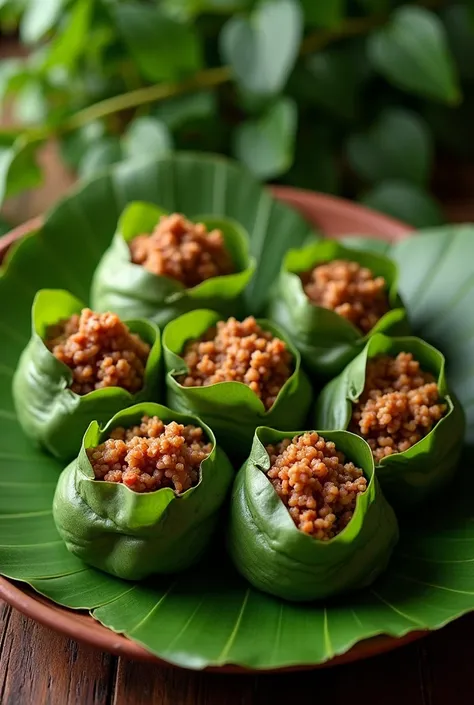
(40, 667)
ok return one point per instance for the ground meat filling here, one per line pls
(350, 290)
(182, 250)
(100, 351)
(315, 483)
(239, 352)
(152, 455)
(399, 405)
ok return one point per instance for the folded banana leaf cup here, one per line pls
(50, 413)
(327, 341)
(275, 556)
(232, 409)
(410, 477)
(132, 291)
(134, 535)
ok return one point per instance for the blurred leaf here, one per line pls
(163, 47)
(323, 13)
(39, 18)
(397, 146)
(375, 5)
(453, 128)
(266, 145)
(72, 38)
(146, 137)
(74, 145)
(18, 167)
(412, 52)
(30, 106)
(406, 202)
(263, 49)
(100, 155)
(183, 109)
(460, 31)
(315, 165)
(191, 8)
(9, 68)
(335, 77)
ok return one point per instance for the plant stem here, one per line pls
(209, 78)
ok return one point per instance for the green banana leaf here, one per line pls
(407, 478)
(131, 291)
(133, 535)
(231, 408)
(327, 341)
(49, 412)
(211, 616)
(276, 557)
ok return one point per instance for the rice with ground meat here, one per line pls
(349, 289)
(182, 250)
(236, 351)
(315, 483)
(399, 405)
(151, 455)
(100, 351)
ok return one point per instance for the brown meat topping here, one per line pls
(100, 350)
(239, 352)
(315, 483)
(399, 405)
(151, 455)
(350, 290)
(182, 250)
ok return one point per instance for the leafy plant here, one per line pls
(343, 96)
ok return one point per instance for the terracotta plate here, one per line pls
(334, 217)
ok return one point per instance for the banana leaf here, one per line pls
(47, 409)
(327, 341)
(410, 477)
(232, 409)
(132, 291)
(208, 617)
(276, 557)
(133, 535)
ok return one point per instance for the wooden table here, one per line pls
(40, 667)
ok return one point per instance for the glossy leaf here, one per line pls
(276, 557)
(263, 49)
(164, 48)
(407, 478)
(18, 168)
(398, 146)
(48, 410)
(133, 535)
(72, 38)
(404, 201)
(411, 51)
(99, 155)
(147, 137)
(266, 145)
(326, 341)
(208, 617)
(132, 291)
(40, 16)
(221, 404)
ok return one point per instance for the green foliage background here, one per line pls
(353, 97)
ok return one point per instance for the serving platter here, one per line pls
(437, 583)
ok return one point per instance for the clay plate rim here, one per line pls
(335, 217)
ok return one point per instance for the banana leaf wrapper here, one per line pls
(275, 556)
(132, 291)
(410, 477)
(134, 535)
(49, 412)
(327, 341)
(232, 409)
